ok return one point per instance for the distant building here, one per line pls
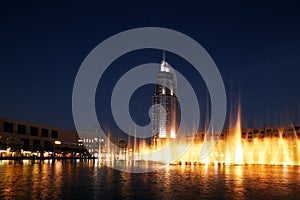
(271, 132)
(19, 138)
(94, 143)
(249, 134)
(104, 147)
(165, 126)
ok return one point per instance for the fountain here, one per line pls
(269, 146)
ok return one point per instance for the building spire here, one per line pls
(164, 55)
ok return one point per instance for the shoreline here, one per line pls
(45, 158)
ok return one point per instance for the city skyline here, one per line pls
(255, 47)
(150, 99)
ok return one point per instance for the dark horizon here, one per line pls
(255, 45)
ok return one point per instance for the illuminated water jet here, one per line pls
(269, 145)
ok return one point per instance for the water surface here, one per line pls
(89, 180)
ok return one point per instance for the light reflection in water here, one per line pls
(85, 180)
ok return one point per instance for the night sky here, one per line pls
(255, 44)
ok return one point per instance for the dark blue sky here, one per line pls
(255, 44)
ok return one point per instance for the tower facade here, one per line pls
(165, 112)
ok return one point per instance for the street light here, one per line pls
(56, 142)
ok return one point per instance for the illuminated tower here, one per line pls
(165, 113)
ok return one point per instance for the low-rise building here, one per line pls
(19, 138)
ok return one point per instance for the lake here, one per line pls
(74, 179)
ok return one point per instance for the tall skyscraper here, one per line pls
(165, 113)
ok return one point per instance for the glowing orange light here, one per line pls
(57, 142)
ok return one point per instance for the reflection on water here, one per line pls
(86, 180)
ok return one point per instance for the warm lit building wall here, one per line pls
(25, 136)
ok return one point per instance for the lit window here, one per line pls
(173, 135)
(162, 134)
